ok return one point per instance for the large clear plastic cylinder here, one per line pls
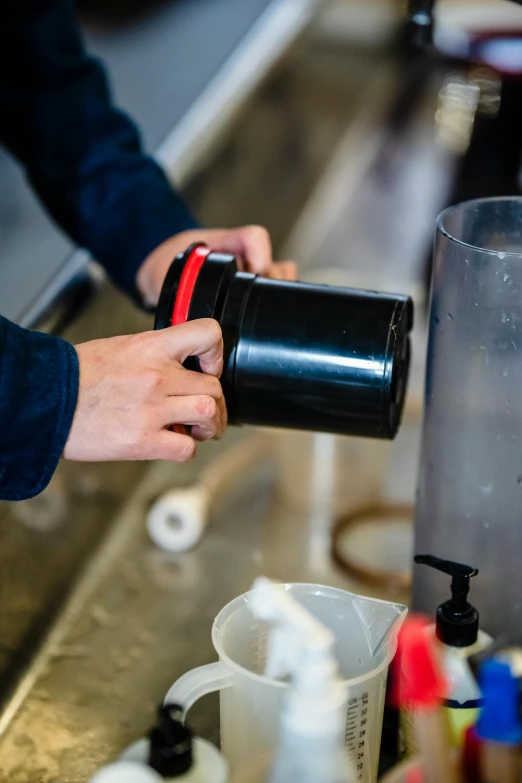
(470, 485)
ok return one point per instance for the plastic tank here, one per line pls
(297, 356)
(470, 491)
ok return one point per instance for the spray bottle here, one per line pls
(311, 746)
(457, 628)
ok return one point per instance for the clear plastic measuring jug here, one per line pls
(366, 632)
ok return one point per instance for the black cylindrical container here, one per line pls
(300, 356)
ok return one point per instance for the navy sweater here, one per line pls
(84, 159)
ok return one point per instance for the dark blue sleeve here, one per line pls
(38, 393)
(83, 156)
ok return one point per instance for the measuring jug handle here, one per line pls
(197, 683)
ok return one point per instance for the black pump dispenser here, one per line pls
(170, 751)
(457, 620)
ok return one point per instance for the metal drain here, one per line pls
(375, 545)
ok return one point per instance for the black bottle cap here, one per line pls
(457, 620)
(418, 33)
(170, 751)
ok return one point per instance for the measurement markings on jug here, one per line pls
(356, 726)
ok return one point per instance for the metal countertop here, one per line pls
(139, 618)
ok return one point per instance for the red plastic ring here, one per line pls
(181, 309)
(187, 284)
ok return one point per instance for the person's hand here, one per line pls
(250, 245)
(133, 388)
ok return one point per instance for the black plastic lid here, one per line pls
(170, 751)
(457, 620)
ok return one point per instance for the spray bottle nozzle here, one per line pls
(457, 620)
(299, 646)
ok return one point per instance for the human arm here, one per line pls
(82, 155)
(85, 159)
(111, 399)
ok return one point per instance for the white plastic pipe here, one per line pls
(177, 520)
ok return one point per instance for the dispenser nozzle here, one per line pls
(457, 620)
(461, 575)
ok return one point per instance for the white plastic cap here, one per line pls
(126, 772)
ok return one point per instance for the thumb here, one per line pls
(201, 338)
(250, 244)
